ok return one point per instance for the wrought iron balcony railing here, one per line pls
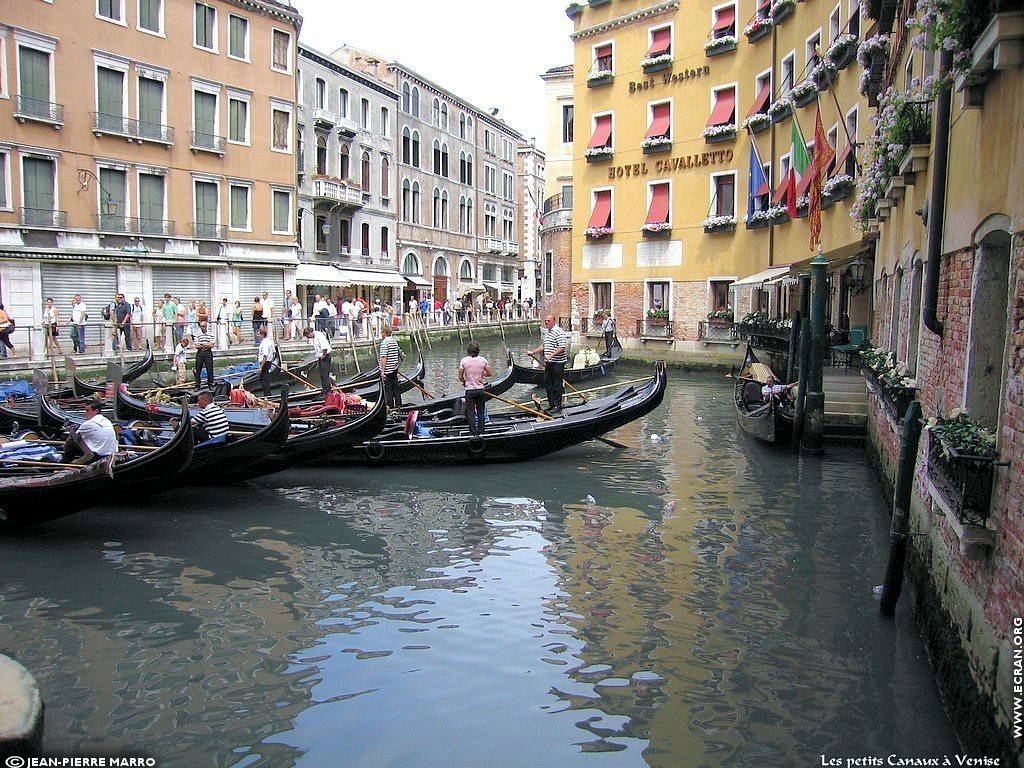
(207, 142)
(35, 109)
(964, 481)
(717, 330)
(655, 328)
(43, 218)
(156, 227)
(203, 231)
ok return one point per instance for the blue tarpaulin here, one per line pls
(17, 389)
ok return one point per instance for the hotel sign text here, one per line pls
(669, 164)
(669, 78)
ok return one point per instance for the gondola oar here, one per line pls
(426, 392)
(570, 386)
(548, 417)
(294, 376)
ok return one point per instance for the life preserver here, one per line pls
(476, 446)
(374, 451)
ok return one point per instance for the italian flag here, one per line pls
(799, 162)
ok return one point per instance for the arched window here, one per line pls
(435, 113)
(437, 157)
(406, 103)
(987, 337)
(406, 200)
(416, 149)
(914, 337)
(385, 177)
(469, 169)
(364, 239)
(343, 170)
(436, 220)
(415, 202)
(466, 271)
(406, 146)
(342, 102)
(469, 127)
(444, 117)
(440, 267)
(364, 172)
(462, 213)
(444, 210)
(385, 246)
(470, 225)
(894, 318)
(462, 125)
(321, 93)
(415, 102)
(321, 155)
(410, 264)
(444, 159)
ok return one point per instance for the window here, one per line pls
(908, 72)
(444, 209)
(470, 221)
(567, 118)
(508, 224)
(364, 172)
(238, 118)
(436, 220)
(239, 199)
(488, 272)
(601, 293)
(364, 239)
(320, 93)
(415, 202)
(281, 126)
(435, 113)
(281, 51)
(724, 192)
(416, 149)
(603, 59)
(488, 141)
(548, 272)
(345, 235)
(204, 119)
(364, 114)
(342, 102)
(659, 203)
(437, 156)
(788, 73)
(854, 25)
(112, 200)
(724, 111)
(321, 156)
(508, 181)
(112, 10)
(282, 211)
(601, 213)
(444, 159)
(344, 167)
(406, 98)
(406, 146)
(206, 27)
(444, 118)
(462, 125)
(238, 37)
(5, 181)
(661, 42)
(385, 122)
(661, 121)
(490, 219)
(658, 295)
(152, 204)
(151, 16)
(410, 264)
(207, 209)
(601, 138)
(151, 109)
(321, 236)
(725, 22)
(490, 179)
(385, 178)
(462, 213)
(466, 271)
(110, 100)
(406, 200)
(35, 84)
(465, 168)
(813, 43)
(835, 25)
(37, 180)
(385, 247)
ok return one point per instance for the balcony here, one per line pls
(112, 222)
(43, 218)
(156, 132)
(718, 332)
(323, 118)
(155, 227)
(116, 125)
(347, 126)
(655, 328)
(201, 231)
(26, 108)
(334, 191)
(206, 142)
(140, 130)
(510, 247)
(491, 245)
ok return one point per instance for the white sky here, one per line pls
(489, 52)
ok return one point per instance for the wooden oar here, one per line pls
(426, 392)
(570, 386)
(546, 416)
(50, 464)
(294, 376)
(605, 440)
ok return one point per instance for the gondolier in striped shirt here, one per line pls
(555, 350)
(204, 343)
(390, 357)
(211, 422)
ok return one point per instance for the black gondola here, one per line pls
(770, 421)
(509, 436)
(84, 388)
(535, 376)
(39, 495)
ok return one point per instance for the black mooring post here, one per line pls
(901, 509)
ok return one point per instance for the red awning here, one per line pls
(602, 215)
(725, 107)
(725, 18)
(780, 191)
(661, 121)
(762, 4)
(603, 51)
(840, 163)
(602, 132)
(761, 100)
(764, 189)
(661, 42)
(658, 212)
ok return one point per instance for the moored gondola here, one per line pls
(535, 376)
(771, 420)
(510, 436)
(83, 388)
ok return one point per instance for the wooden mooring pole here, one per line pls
(899, 529)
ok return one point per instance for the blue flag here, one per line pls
(757, 179)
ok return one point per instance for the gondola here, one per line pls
(535, 376)
(39, 495)
(508, 436)
(81, 388)
(770, 421)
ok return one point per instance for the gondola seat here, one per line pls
(752, 397)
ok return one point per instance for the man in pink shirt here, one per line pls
(472, 369)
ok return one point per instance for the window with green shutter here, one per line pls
(205, 118)
(238, 121)
(151, 108)
(109, 9)
(37, 179)
(239, 207)
(206, 23)
(151, 204)
(112, 200)
(4, 201)
(206, 208)
(109, 99)
(34, 76)
(282, 210)
(149, 15)
(238, 37)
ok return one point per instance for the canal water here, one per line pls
(696, 599)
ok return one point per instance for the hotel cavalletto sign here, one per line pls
(670, 164)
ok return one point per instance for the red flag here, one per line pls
(823, 155)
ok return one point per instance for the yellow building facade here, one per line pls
(668, 103)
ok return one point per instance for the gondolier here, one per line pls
(265, 356)
(205, 343)
(390, 357)
(321, 348)
(555, 350)
(608, 329)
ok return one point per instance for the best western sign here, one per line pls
(669, 78)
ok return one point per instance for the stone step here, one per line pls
(844, 420)
(845, 408)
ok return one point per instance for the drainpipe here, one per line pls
(937, 199)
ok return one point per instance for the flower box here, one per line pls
(598, 233)
(656, 64)
(964, 480)
(599, 79)
(653, 234)
(574, 10)
(823, 75)
(655, 144)
(842, 51)
(757, 29)
(598, 154)
(780, 109)
(718, 133)
(782, 10)
(803, 94)
(758, 221)
(777, 214)
(716, 224)
(720, 45)
(757, 122)
(598, 3)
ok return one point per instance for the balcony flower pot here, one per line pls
(823, 75)
(757, 29)
(574, 10)
(720, 45)
(803, 94)
(777, 214)
(780, 109)
(656, 144)
(717, 133)
(838, 188)
(598, 154)
(656, 63)
(757, 122)
(598, 233)
(659, 230)
(598, 79)
(758, 221)
(598, 3)
(802, 206)
(842, 51)
(716, 224)
(782, 10)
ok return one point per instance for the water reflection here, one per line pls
(710, 606)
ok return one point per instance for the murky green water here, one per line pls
(711, 607)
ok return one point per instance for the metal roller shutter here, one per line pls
(253, 282)
(184, 282)
(97, 284)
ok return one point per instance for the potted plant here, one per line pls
(757, 122)
(574, 10)
(780, 109)
(599, 77)
(718, 45)
(601, 314)
(720, 318)
(782, 10)
(837, 188)
(777, 214)
(598, 154)
(823, 74)
(656, 63)
(757, 220)
(842, 51)
(803, 93)
(758, 28)
(656, 229)
(719, 224)
(657, 317)
(598, 233)
(716, 133)
(654, 144)
(961, 464)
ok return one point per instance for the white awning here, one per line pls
(417, 280)
(374, 277)
(493, 286)
(757, 280)
(319, 274)
(464, 288)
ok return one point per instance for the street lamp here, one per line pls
(855, 274)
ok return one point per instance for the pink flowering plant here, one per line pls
(872, 45)
(947, 25)
(718, 130)
(757, 25)
(593, 233)
(656, 226)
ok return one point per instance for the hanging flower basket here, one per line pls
(599, 78)
(823, 74)
(758, 28)
(656, 229)
(656, 144)
(780, 109)
(715, 224)
(803, 93)
(656, 63)
(716, 133)
(839, 187)
(574, 10)
(719, 45)
(777, 214)
(757, 122)
(759, 220)
(782, 10)
(598, 233)
(598, 154)
(876, 44)
(842, 51)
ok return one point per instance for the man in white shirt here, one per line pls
(138, 322)
(223, 322)
(268, 307)
(95, 437)
(77, 322)
(266, 357)
(332, 315)
(297, 319)
(322, 348)
(320, 313)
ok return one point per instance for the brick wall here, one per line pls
(559, 241)
(689, 306)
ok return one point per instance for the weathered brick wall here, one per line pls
(559, 242)
(689, 306)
